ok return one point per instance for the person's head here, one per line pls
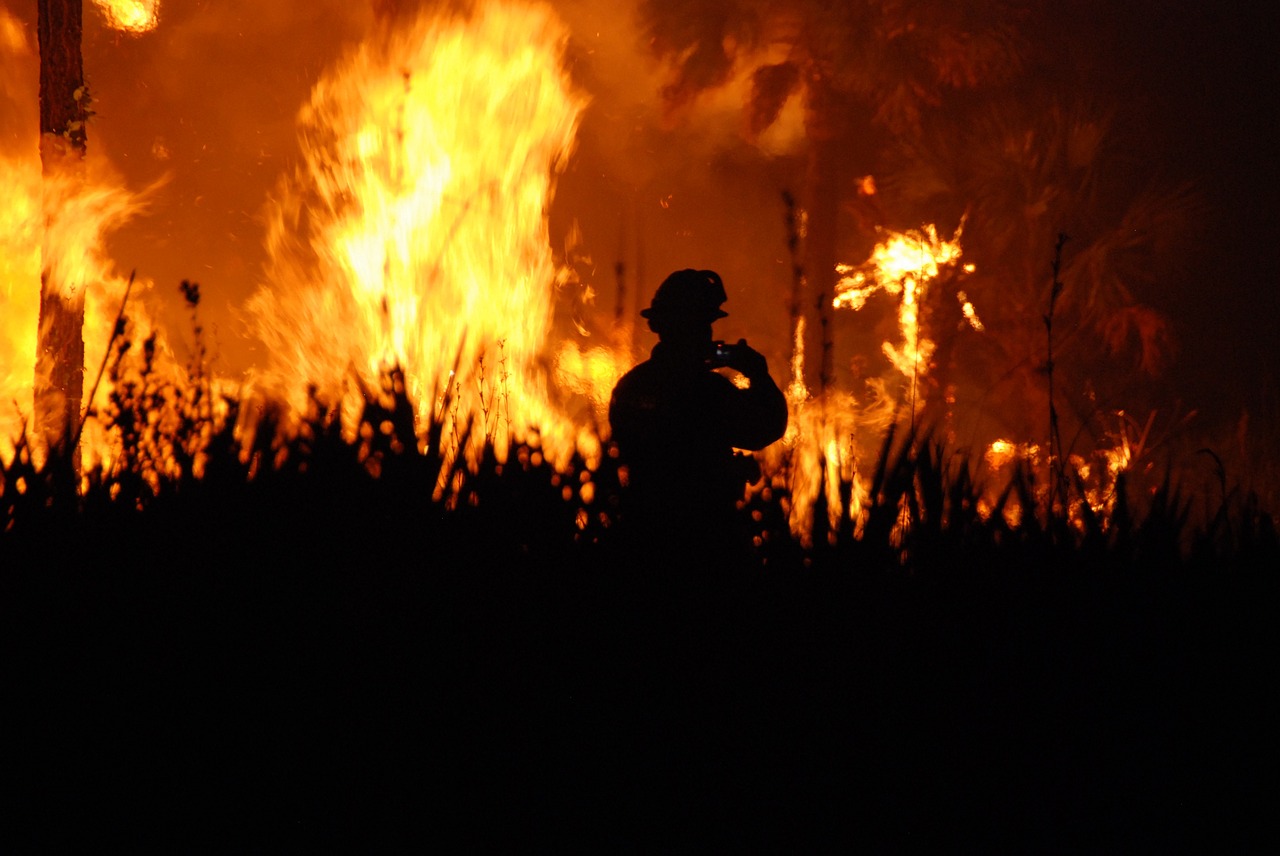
(684, 307)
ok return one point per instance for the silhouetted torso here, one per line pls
(676, 424)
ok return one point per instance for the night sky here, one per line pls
(1198, 81)
(207, 104)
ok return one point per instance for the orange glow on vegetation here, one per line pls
(819, 454)
(1001, 453)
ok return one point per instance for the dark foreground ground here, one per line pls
(219, 691)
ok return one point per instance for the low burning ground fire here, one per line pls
(413, 234)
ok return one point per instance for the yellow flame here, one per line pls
(822, 445)
(797, 390)
(70, 214)
(130, 16)
(1125, 450)
(967, 308)
(56, 216)
(820, 454)
(592, 374)
(1002, 452)
(19, 295)
(816, 456)
(415, 230)
(903, 265)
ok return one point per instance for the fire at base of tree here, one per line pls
(172, 440)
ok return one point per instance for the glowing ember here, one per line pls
(130, 16)
(1001, 453)
(415, 232)
(966, 307)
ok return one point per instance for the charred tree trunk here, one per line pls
(822, 228)
(59, 376)
(822, 200)
(795, 305)
(629, 277)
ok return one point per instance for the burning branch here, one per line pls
(903, 265)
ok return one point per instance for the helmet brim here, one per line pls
(659, 312)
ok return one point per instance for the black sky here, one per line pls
(1196, 88)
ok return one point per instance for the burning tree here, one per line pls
(64, 104)
(862, 70)
(1021, 171)
(56, 221)
(864, 75)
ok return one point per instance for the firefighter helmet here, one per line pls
(693, 295)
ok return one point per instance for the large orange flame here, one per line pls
(415, 233)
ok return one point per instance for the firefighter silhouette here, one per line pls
(677, 421)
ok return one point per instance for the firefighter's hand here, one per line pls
(748, 360)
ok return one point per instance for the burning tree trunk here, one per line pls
(63, 110)
(823, 190)
(831, 144)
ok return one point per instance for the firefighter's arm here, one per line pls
(759, 412)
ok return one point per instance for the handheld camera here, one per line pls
(723, 354)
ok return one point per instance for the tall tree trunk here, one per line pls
(628, 272)
(822, 201)
(943, 321)
(59, 379)
(820, 261)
